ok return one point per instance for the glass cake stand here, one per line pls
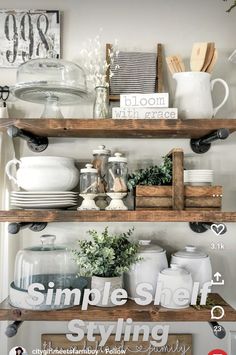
(52, 82)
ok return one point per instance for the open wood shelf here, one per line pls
(115, 216)
(149, 313)
(113, 128)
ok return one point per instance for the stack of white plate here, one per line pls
(198, 177)
(44, 199)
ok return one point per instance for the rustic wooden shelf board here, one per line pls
(138, 313)
(109, 128)
(116, 216)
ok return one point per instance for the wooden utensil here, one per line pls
(171, 65)
(198, 56)
(175, 64)
(209, 55)
(213, 62)
(179, 63)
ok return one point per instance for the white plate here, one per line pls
(43, 205)
(45, 193)
(43, 202)
(45, 199)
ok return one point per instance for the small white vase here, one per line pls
(99, 283)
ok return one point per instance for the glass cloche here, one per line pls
(52, 82)
(48, 264)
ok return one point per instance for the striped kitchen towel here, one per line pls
(136, 73)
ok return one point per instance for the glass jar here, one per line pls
(88, 180)
(101, 102)
(100, 162)
(118, 173)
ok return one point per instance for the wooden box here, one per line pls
(178, 196)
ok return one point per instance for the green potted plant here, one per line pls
(105, 258)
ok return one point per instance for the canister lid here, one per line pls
(191, 252)
(146, 246)
(174, 270)
(102, 150)
(117, 158)
(89, 169)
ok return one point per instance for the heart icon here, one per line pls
(218, 229)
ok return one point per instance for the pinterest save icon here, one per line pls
(217, 352)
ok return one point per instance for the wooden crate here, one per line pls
(178, 196)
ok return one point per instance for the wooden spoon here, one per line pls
(198, 56)
(209, 55)
(213, 62)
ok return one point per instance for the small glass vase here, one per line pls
(101, 103)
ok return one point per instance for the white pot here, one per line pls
(44, 173)
(173, 279)
(99, 283)
(147, 270)
(196, 262)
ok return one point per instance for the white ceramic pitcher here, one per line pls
(193, 96)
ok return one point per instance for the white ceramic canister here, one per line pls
(196, 262)
(44, 173)
(146, 271)
(175, 282)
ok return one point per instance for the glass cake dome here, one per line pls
(52, 82)
(45, 263)
(53, 267)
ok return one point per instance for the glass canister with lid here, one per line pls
(117, 181)
(88, 187)
(100, 162)
(49, 265)
(118, 173)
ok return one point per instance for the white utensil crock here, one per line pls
(146, 271)
(175, 279)
(193, 96)
(196, 262)
(44, 173)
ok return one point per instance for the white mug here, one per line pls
(193, 96)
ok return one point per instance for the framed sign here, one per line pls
(177, 344)
(28, 34)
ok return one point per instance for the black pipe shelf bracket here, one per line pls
(202, 145)
(35, 143)
(201, 227)
(14, 228)
(12, 329)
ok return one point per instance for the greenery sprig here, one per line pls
(106, 255)
(154, 175)
(232, 6)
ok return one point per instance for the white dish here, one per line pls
(41, 193)
(44, 199)
(44, 173)
(45, 205)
